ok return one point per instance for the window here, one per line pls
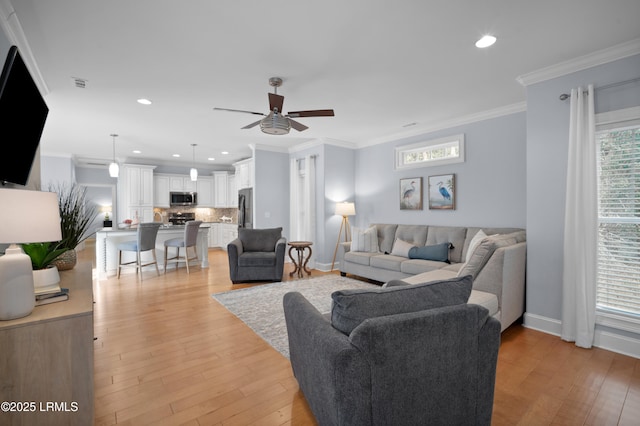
(618, 282)
(431, 153)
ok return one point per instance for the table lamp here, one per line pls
(26, 217)
(345, 210)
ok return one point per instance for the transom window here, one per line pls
(436, 152)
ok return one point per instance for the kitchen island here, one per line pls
(107, 240)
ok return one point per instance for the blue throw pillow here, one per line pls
(438, 252)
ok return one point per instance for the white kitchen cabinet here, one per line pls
(161, 191)
(135, 192)
(244, 173)
(214, 235)
(220, 180)
(204, 188)
(228, 233)
(232, 191)
(179, 183)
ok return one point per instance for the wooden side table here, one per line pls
(301, 263)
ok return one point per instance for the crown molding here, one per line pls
(459, 121)
(320, 142)
(590, 60)
(13, 30)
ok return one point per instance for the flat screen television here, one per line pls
(23, 113)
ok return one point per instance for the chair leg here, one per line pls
(119, 262)
(155, 261)
(138, 265)
(186, 258)
(165, 258)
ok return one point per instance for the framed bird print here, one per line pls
(442, 192)
(411, 194)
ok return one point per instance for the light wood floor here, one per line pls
(168, 354)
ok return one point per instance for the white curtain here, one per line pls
(303, 199)
(580, 224)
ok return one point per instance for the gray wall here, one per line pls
(490, 184)
(547, 145)
(271, 190)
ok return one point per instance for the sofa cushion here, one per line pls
(480, 235)
(438, 252)
(386, 236)
(452, 234)
(413, 234)
(365, 240)
(418, 266)
(387, 261)
(359, 257)
(351, 307)
(259, 239)
(257, 258)
(401, 248)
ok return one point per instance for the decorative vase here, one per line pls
(66, 260)
(47, 277)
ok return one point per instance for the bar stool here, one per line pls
(189, 240)
(145, 241)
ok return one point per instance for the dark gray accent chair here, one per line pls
(257, 255)
(432, 363)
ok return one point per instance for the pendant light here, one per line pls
(194, 172)
(114, 169)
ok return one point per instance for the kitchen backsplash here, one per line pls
(202, 213)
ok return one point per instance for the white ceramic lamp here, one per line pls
(27, 217)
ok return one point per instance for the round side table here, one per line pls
(301, 263)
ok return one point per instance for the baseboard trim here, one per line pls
(602, 339)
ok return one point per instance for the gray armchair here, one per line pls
(432, 363)
(257, 255)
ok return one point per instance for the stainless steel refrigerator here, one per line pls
(245, 208)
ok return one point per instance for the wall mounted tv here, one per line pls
(23, 113)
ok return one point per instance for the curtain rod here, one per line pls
(565, 96)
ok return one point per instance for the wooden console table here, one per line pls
(301, 264)
(46, 359)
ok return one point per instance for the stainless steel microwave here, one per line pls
(183, 198)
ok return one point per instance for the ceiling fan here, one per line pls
(276, 123)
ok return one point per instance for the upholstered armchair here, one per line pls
(406, 355)
(257, 255)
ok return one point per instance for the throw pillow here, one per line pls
(483, 252)
(480, 235)
(351, 307)
(259, 239)
(438, 252)
(364, 239)
(401, 248)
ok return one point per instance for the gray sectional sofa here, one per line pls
(496, 261)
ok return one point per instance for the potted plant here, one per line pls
(76, 216)
(42, 255)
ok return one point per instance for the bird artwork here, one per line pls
(410, 194)
(442, 192)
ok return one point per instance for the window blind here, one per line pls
(618, 286)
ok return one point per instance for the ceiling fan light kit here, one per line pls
(275, 123)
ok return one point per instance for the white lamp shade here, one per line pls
(114, 170)
(194, 174)
(29, 216)
(345, 209)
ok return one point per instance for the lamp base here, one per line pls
(17, 297)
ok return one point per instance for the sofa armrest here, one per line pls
(343, 248)
(504, 276)
(331, 373)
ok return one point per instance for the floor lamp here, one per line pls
(345, 210)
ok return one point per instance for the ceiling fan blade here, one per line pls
(238, 110)
(275, 101)
(298, 126)
(248, 126)
(312, 113)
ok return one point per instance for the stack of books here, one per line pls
(51, 294)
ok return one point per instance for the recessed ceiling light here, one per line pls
(485, 41)
(176, 155)
(225, 152)
(144, 101)
(211, 159)
(137, 151)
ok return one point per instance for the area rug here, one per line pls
(260, 307)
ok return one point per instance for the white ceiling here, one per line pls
(380, 65)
